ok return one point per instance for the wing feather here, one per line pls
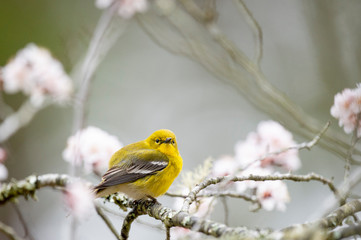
(137, 165)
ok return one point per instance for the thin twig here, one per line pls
(9, 232)
(354, 140)
(301, 146)
(23, 222)
(19, 119)
(334, 219)
(87, 70)
(128, 220)
(231, 194)
(257, 30)
(167, 233)
(140, 221)
(107, 221)
(345, 232)
(298, 178)
(225, 209)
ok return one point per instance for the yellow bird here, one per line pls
(143, 169)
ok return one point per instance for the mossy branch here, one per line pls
(171, 218)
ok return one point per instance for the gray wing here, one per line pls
(138, 168)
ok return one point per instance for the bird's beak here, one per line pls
(167, 140)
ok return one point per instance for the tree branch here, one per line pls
(172, 218)
(297, 178)
(107, 221)
(9, 232)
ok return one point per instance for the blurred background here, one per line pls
(311, 51)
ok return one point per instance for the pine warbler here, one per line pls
(143, 169)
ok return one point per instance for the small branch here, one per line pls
(297, 178)
(225, 209)
(231, 194)
(107, 221)
(333, 220)
(117, 213)
(305, 145)
(23, 222)
(27, 187)
(128, 220)
(167, 233)
(9, 232)
(17, 120)
(172, 218)
(257, 30)
(354, 140)
(345, 232)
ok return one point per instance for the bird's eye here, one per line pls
(173, 142)
(157, 140)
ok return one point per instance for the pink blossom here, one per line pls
(92, 148)
(273, 194)
(36, 73)
(270, 138)
(347, 107)
(127, 8)
(79, 198)
(226, 165)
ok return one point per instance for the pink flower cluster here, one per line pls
(262, 153)
(79, 198)
(92, 148)
(347, 109)
(36, 73)
(127, 8)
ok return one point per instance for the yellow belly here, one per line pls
(158, 184)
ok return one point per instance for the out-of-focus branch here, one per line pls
(256, 28)
(183, 32)
(298, 178)
(107, 221)
(334, 219)
(345, 232)
(23, 222)
(9, 232)
(102, 40)
(17, 120)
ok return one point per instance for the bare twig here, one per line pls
(9, 232)
(19, 119)
(344, 189)
(334, 219)
(225, 210)
(23, 222)
(354, 140)
(107, 221)
(231, 194)
(117, 213)
(128, 220)
(345, 232)
(167, 233)
(257, 30)
(298, 178)
(301, 146)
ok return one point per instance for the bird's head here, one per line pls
(164, 141)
